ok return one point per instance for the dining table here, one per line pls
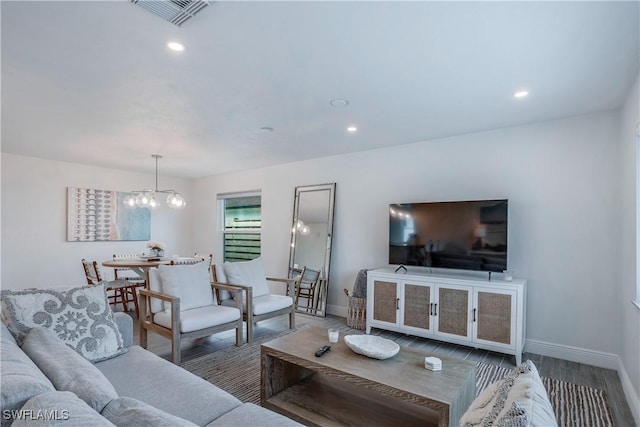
(140, 266)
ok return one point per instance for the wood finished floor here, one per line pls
(577, 373)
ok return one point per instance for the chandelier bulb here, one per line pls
(130, 201)
(176, 201)
(149, 198)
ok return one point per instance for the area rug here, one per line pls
(237, 371)
(574, 405)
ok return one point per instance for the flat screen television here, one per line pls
(463, 235)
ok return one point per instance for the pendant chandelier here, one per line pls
(151, 198)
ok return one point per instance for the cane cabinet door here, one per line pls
(386, 302)
(494, 317)
(453, 311)
(417, 307)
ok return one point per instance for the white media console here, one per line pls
(460, 309)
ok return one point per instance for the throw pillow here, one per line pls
(81, 317)
(67, 370)
(125, 411)
(59, 409)
(248, 273)
(511, 401)
(191, 283)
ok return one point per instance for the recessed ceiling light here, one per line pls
(352, 129)
(178, 47)
(521, 94)
(339, 103)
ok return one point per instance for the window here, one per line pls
(242, 221)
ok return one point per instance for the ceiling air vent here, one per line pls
(175, 11)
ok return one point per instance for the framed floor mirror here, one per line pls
(311, 238)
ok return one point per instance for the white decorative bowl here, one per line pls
(372, 346)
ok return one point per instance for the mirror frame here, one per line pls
(324, 279)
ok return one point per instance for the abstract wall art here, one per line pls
(100, 215)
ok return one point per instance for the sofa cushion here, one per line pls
(248, 273)
(20, 377)
(166, 386)
(125, 411)
(191, 283)
(81, 317)
(519, 399)
(67, 370)
(265, 303)
(255, 416)
(59, 409)
(199, 318)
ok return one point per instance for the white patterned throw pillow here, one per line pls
(81, 317)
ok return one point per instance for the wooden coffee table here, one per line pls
(345, 388)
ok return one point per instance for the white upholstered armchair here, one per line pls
(180, 304)
(251, 278)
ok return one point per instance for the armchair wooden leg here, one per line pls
(249, 329)
(292, 319)
(239, 328)
(175, 348)
(143, 336)
(134, 294)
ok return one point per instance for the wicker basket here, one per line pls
(357, 313)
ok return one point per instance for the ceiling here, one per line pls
(93, 82)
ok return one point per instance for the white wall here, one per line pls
(630, 314)
(560, 177)
(35, 252)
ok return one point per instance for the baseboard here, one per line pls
(573, 354)
(629, 392)
(337, 310)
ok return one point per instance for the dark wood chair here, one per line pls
(126, 273)
(306, 288)
(119, 291)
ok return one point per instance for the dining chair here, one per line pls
(126, 273)
(180, 303)
(207, 258)
(306, 287)
(296, 273)
(258, 302)
(119, 291)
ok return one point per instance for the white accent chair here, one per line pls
(251, 278)
(180, 304)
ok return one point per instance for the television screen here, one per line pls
(465, 235)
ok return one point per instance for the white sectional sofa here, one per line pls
(47, 383)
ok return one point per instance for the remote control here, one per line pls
(323, 350)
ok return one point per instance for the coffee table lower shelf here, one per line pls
(320, 400)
